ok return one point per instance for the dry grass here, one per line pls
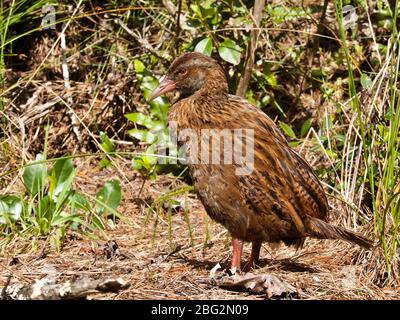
(104, 88)
(158, 270)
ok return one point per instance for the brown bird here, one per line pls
(281, 199)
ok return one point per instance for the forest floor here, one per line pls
(300, 69)
(158, 264)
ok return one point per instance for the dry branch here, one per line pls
(251, 48)
(47, 289)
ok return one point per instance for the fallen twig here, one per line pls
(47, 289)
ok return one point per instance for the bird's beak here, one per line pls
(166, 85)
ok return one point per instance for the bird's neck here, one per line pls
(203, 105)
(213, 92)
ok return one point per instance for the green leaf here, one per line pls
(147, 85)
(34, 175)
(142, 135)
(139, 66)
(340, 138)
(44, 213)
(148, 158)
(104, 162)
(271, 79)
(10, 208)
(366, 81)
(137, 163)
(204, 46)
(287, 130)
(138, 118)
(305, 127)
(230, 51)
(266, 100)
(157, 126)
(62, 175)
(64, 218)
(108, 197)
(97, 223)
(106, 144)
(196, 9)
(294, 144)
(78, 201)
(145, 120)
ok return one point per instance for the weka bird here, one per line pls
(281, 199)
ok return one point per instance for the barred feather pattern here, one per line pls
(282, 199)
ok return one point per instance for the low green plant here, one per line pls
(151, 129)
(207, 17)
(108, 147)
(50, 205)
(164, 204)
(296, 139)
(374, 137)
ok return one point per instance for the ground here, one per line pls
(159, 264)
(301, 73)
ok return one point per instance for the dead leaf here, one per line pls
(267, 284)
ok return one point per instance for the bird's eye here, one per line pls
(182, 72)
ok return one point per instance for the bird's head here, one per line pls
(189, 73)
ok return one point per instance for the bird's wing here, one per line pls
(282, 182)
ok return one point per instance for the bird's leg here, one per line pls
(255, 254)
(236, 253)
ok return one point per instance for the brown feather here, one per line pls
(282, 199)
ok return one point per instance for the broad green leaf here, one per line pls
(147, 85)
(145, 120)
(139, 118)
(10, 208)
(305, 127)
(157, 126)
(139, 66)
(137, 163)
(230, 51)
(108, 197)
(153, 176)
(287, 130)
(148, 157)
(62, 176)
(142, 135)
(266, 100)
(209, 12)
(107, 146)
(78, 201)
(34, 175)
(159, 108)
(204, 46)
(279, 14)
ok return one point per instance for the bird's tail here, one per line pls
(323, 230)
